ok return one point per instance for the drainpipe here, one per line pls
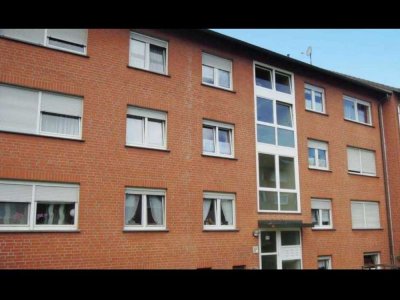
(386, 180)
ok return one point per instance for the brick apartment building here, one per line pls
(188, 149)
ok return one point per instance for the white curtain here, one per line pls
(7, 214)
(157, 58)
(61, 215)
(227, 210)
(156, 209)
(50, 213)
(206, 208)
(60, 124)
(132, 202)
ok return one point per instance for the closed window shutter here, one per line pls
(76, 36)
(321, 204)
(61, 104)
(142, 112)
(372, 215)
(368, 162)
(15, 192)
(217, 62)
(357, 215)
(18, 109)
(57, 193)
(353, 159)
(30, 35)
(317, 145)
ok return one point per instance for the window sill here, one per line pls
(278, 212)
(42, 135)
(323, 170)
(323, 229)
(43, 46)
(144, 230)
(40, 231)
(147, 148)
(220, 230)
(317, 112)
(363, 175)
(216, 156)
(368, 125)
(218, 88)
(148, 71)
(364, 229)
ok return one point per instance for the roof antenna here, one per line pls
(308, 53)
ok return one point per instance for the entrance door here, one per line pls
(280, 249)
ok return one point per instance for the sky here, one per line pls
(372, 54)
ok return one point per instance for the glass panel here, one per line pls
(137, 217)
(285, 137)
(133, 210)
(224, 79)
(266, 170)
(323, 264)
(322, 158)
(284, 114)
(288, 201)
(157, 59)
(134, 130)
(138, 54)
(290, 238)
(263, 77)
(268, 241)
(291, 264)
(208, 74)
(224, 141)
(208, 139)
(265, 134)
(362, 111)
(268, 200)
(349, 110)
(325, 217)
(268, 262)
(308, 97)
(210, 219)
(55, 213)
(60, 124)
(282, 83)
(66, 45)
(370, 259)
(155, 132)
(13, 213)
(318, 101)
(315, 216)
(265, 110)
(155, 210)
(311, 157)
(226, 212)
(286, 173)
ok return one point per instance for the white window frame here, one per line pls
(320, 226)
(147, 40)
(144, 192)
(358, 101)
(316, 154)
(33, 207)
(313, 90)
(38, 129)
(273, 72)
(363, 203)
(398, 112)
(147, 114)
(219, 197)
(326, 258)
(361, 164)
(217, 126)
(278, 189)
(216, 71)
(376, 254)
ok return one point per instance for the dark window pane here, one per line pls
(263, 77)
(55, 213)
(268, 262)
(282, 83)
(133, 210)
(290, 238)
(265, 110)
(211, 206)
(284, 114)
(13, 213)
(266, 170)
(224, 141)
(315, 216)
(66, 45)
(268, 200)
(291, 264)
(155, 213)
(157, 59)
(362, 111)
(265, 134)
(268, 241)
(288, 201)
(224, 79)
(286, 171)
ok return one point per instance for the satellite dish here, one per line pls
(309, 51)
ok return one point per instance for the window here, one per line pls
(218, 211)
(315, 98)
(318, 155)
(361, 161)
(371, 260)
(43, 113)
(144, 209)
(148, 53)
(264, 79)
(277, 185)
(274, 123)
(146, 128)
(357, 110)
(217, 139)
(324, 262)
(36, 206)
(365, 215)
(71, 40)
(216, 71)
(321, 211)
